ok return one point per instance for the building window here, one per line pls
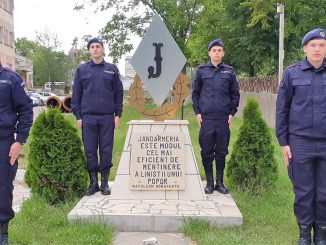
(11, 39)
(11, 2)
(4, 4)
(7, 37)
(7, 5)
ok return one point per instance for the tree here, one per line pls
(56, 169)
(248, 27)
(48, 40)
(248, 46)
(252, 166)
(50, 66)
(49, 63)
(25, 47)
(300, 17)
(133, 16)
(80, 51)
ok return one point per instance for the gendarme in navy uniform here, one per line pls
(215, 100)
(97, 104)
(301, 132)
(16, 118)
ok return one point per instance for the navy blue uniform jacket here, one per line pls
(97, 90)
(16, 108)
(301, 103)
(216, 91)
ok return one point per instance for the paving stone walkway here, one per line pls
(140, 238)
(21, 191)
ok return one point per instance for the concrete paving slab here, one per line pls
(137, 238)
(21, 191)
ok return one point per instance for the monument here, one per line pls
(157, 184)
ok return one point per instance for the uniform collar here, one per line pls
(219, 65)
(306, 65)
(93, 64)
(324, 64)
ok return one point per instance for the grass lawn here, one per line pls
(40, 224)
(268, 219)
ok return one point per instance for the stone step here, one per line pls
(157, 215)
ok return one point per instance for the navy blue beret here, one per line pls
(94, 40)
(314, 34)
(216, 42)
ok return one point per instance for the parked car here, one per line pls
(36, 101)
(39, 96)
(47, 94)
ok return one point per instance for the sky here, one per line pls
(58, 16)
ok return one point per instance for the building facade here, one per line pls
(129, 70)
(7, 37)
(24, 67)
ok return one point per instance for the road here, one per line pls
(37, 110)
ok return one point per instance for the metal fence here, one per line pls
(267, 84)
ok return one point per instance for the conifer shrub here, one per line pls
(252, 167)
(56, 163)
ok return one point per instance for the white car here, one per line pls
(37, 95)
(36, 101)
(47, 94)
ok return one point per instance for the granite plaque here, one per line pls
(157, 161)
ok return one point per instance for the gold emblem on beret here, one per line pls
(322, 34)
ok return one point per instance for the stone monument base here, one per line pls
(157, 210)
(156, 215)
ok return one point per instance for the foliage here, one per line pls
(249, 28)
(49, 64)
(48, 39)
(252, 166)
(247, 45)
(132, 17)
(80, 52)
(25, 47)
(56, 168)
(40, 223)
(268, 219)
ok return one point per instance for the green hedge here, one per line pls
(56, 162)
(252, 166)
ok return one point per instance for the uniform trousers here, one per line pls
(214, 137)
(307, 171)
(7, 176)
(98, 135)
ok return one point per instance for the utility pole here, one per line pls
(280, 11)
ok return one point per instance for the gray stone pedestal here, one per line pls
(157, 210)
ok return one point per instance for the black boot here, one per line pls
(219, 184)
(319, 234)
(305, 235)
(93, 186)
(210, 182)
(4, 234)
(105, 190)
